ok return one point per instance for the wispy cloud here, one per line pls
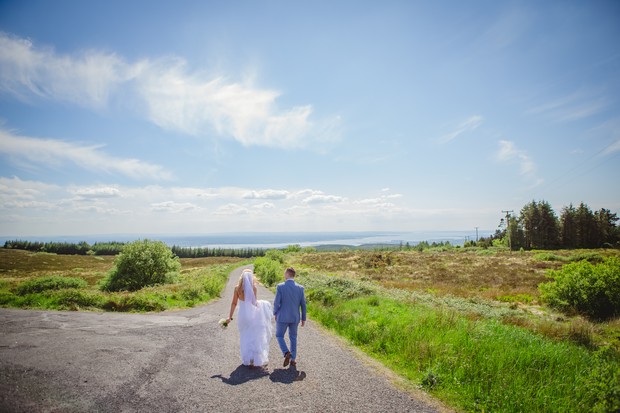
(470, 124)
(174, 98)
(53, 152)
(613, 148)
(579, 105)
(508, 152)
(87, 79)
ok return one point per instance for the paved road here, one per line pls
(177, 361)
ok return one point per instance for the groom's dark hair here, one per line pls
(290, 271)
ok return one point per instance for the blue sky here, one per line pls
(202, 117)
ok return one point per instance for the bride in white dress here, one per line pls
(253, 320)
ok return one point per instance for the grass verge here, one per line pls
(474, 363)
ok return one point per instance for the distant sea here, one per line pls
(271, 239)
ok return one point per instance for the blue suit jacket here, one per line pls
(289, 299)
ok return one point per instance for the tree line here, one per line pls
(191, 252)
(538, 227)
(114, 248)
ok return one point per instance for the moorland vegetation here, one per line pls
(145, 277)
(478, 328)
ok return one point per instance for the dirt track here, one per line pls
(179, 361)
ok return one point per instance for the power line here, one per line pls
(566, 175)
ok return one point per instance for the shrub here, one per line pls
(141, 264)
(548, 256)
(275, 255)
(74, 299)
(268, 270)
(53, 282)
(292, 248)
(135, 302)
(328, 290)
(589, 289)
(376, 260)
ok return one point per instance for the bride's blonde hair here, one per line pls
(240, 291)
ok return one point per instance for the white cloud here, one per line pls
(97, 192)
(53, 152)
(470, 124)
(231, 209)
(323, 199)
(508, 152)
(35, 208)
(173, 97)
(16, 188)
(266, 194)
(264, 205)
(174, 207)
(304, 193)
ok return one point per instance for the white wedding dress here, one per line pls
(255, 325)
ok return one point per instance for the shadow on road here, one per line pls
(287, 376)
(243, 374)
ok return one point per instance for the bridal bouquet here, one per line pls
(223, 323)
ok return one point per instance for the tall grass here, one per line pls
(474, 363)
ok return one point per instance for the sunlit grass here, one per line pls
(201, 280)
(475, 356)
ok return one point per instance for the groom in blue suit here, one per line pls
(289, 300)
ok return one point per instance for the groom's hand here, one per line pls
(303, 323)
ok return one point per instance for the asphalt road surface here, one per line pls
(180, 361)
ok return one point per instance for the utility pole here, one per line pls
(508, 228)
(476, 235)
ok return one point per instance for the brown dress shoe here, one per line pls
(293, 363)
(287, 358)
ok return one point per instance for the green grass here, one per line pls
(53, 282)
(475, 363)
(194, 286)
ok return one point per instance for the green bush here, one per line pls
(53, 282)
(275, 255)
(585, 288)
(269, 271)
(292, 249)
(142, 264)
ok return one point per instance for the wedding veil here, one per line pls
(248, 287)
